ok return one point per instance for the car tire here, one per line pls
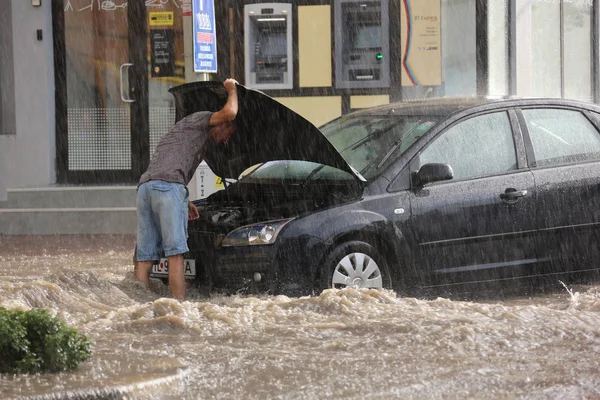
(355, 264)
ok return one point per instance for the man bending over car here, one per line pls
(163, 208)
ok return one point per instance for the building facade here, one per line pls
(84, 83)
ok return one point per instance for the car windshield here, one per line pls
(292, 172)
(370, 144)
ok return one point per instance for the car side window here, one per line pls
(477, 147)
(561, 136)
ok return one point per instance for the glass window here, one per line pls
(577, 60)
(294, 171)
(497, 20)
(561, 136)
(561, 48)
(371, 143)
(97, 54)
(479, 146)
(283, 170)
(459, 59)
(545, 49)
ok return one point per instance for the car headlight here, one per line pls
(261, 233)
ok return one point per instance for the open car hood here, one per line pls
(266, 130)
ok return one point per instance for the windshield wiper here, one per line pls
(373, 135)
(397, 143)
(368, 138)
(312, 174)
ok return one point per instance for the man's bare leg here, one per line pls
(177, 277)
(142, 272)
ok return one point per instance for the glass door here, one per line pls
(114, 63)
(165, 37)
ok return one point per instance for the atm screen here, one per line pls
(273, 44)
(367, 37)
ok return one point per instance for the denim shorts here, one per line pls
(162, 213)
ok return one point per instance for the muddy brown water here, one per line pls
(343, 344)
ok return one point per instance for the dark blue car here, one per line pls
(410, 195)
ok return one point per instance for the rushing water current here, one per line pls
(343, 344)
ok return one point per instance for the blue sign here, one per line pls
(205, 36)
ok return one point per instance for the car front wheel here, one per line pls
(355, 264)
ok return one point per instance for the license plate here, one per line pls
(161, 270)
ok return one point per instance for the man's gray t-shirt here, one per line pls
(179, 152)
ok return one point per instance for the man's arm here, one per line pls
(230, 109)
(192, 211)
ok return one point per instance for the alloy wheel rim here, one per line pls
(357, 270)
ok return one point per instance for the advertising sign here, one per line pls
(161, 18)
(162, 55)
(420, 24)
(205, 37)
(186, 8)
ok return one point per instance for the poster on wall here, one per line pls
(186, 8)
(162, 56)
(205, 37)
(420, 25)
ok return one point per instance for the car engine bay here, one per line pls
(242, 204)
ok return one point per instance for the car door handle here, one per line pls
(512, 194)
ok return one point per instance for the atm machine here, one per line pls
(362, 44)
(268, 45)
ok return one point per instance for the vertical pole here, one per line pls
(188, 48)
(481, 47)
(139, 111)
(231, 45)
(596, 51)
(395, 52)
(512, 48)
(562, 50)
(60, 90)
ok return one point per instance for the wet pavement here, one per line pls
(346, 344)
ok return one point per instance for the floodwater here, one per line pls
(344, 344)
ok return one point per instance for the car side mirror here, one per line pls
(433, 172)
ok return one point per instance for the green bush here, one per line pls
(34, 341)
